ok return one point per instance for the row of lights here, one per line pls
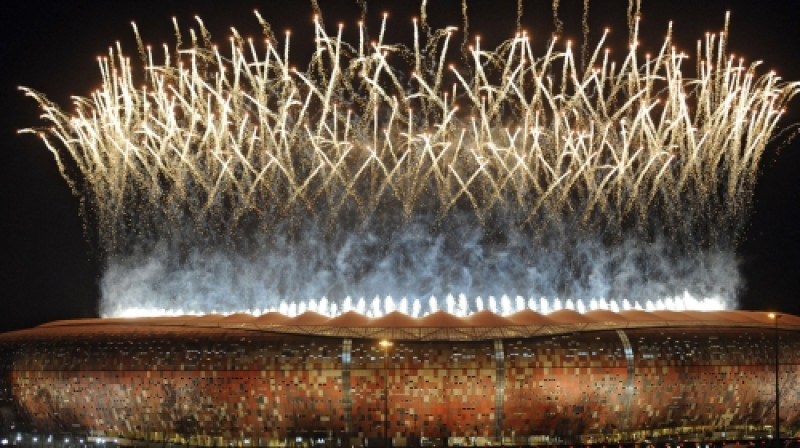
(35, 439)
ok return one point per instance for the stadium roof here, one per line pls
(436, 326)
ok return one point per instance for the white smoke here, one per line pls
(411, 262)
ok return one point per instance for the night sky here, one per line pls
(50, 269)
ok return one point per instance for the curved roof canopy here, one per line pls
(436, 326)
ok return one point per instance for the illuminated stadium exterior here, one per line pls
(524, 379)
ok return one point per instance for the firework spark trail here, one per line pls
(258, 183)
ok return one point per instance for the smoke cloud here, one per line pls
(415, 261)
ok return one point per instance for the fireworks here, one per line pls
(227, 179)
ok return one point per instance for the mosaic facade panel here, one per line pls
(622, 384)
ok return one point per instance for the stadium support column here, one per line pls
(500, 372)
(386, 345)
(627, 397)
(347, 398)
(777, 437)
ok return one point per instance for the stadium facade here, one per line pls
(484, 379)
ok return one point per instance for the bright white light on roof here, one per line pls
(459, 305)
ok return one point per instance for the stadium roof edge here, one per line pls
(437, 326)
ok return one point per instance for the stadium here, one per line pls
(226, 177)
(523, 379)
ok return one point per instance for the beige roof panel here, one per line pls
(437, 326)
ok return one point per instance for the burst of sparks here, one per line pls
(224, 140)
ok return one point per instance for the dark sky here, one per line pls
(50, 271)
